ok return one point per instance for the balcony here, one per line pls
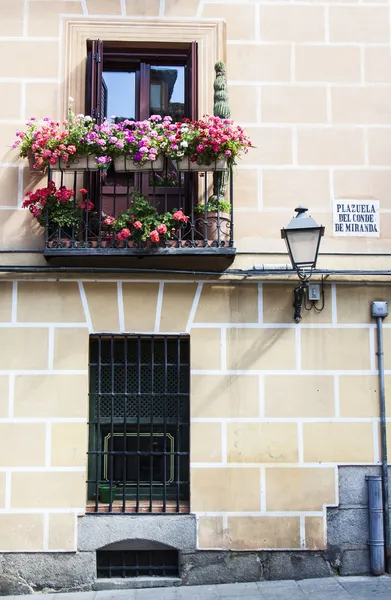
(191, 242)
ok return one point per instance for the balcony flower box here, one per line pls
(77, 163)
(186, 164)
(126, 164)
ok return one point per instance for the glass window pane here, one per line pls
(167, 92)
(120, 91)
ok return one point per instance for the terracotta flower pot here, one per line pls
(125, 164)
(214, 224)
(185, 164)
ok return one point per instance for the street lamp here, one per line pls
(302, 237)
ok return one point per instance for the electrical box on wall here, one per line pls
(379, 309)
(314, 292)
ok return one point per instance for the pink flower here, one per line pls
(124, 234)
(180, 216)
(47, 153)
(71, 149)
(228, 153)
(162, 229)
(83, 191)
(200, 148)
(154, 236)
(108, 220)
(137, 224)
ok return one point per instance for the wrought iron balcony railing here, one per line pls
(207, 229)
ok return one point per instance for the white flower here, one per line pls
(70, 99)
(87, 118)
(184, 144)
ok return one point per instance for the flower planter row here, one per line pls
(125, 164)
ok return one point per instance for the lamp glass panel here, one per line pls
(303, 246)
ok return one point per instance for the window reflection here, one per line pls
(119, 94)
(167, 92)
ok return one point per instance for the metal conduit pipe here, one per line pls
(379, 312)
(376, 525)
(268, 270)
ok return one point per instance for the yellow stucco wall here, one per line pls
(309, 81)
(275, 406)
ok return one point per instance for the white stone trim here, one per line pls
(194, 307)
(25, 18)
(322, 465)
(261, 513)
(121, 313)
(43, 470)
(85, 306)
(47, 420)
(159, 305)
(298, 420)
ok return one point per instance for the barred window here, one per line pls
(139, 424)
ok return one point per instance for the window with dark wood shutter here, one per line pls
(133, 82)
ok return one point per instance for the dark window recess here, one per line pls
(139, 424)
(137, 563)
(133, 82)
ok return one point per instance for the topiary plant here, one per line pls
(220, 109)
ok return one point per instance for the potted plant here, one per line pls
(214, 221)
(104, 492)
(141, 224)
(33, 143)
(58, 210)
(211, 144)
(76, 144)
(136, 145)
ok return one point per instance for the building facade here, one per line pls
(230, 438)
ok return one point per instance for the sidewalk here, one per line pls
(332, 588)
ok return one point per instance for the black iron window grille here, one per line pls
(137, 563)
(138, 459)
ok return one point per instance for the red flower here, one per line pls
(162, 229)
(86, 204)
(154, 236)
(83, 191)
(124, 234)
(180, 216)
(137, 224)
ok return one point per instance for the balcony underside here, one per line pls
(153, 258)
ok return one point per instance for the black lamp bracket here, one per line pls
(299, 297)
